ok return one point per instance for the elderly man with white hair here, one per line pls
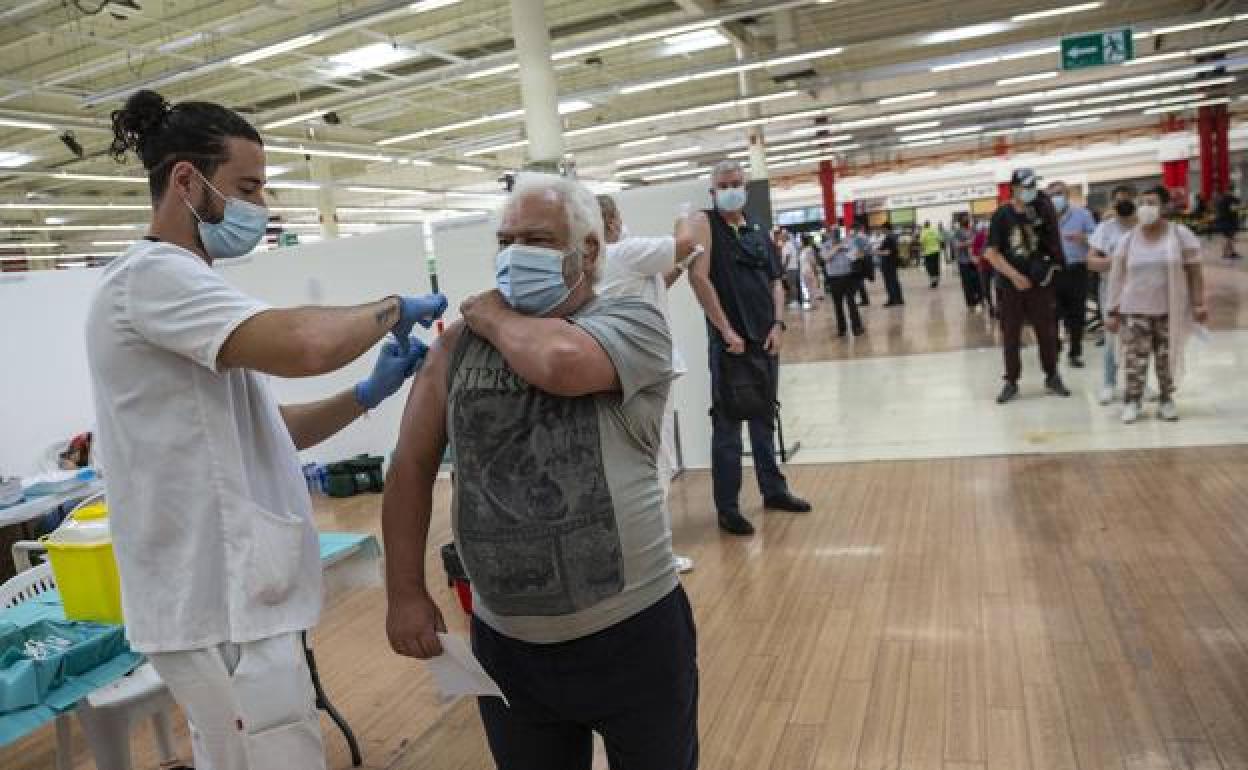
(551, 399)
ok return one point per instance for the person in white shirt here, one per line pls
(647, 267)
(1104, 240)
(1156, 290)
(210, 514)
(789, 257)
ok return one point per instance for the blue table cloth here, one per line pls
(17, 724)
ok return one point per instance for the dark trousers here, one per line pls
(794, 285)
(970, 284)
(635, 684)
(891, 284)
(932, 262)
(842, 288)
(862, 291)
(1037, 306)
(726, 446)
(1072, 304)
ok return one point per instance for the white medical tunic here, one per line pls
(210, 515)
(636, 267)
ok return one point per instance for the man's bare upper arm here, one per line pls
(422, 432)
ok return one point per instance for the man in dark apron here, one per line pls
(739, 282)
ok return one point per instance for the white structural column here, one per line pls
(753, 134)
(539, 91)
(323, 175)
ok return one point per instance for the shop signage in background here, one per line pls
(1096, 49)
(937, 197)
(287, 239)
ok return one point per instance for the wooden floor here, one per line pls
(1008, 613)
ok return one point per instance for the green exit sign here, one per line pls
(1097, 49)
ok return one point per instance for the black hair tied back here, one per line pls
(136, 124)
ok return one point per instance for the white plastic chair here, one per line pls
(108, 714)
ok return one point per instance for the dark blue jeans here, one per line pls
(635, 684)
(726, 446)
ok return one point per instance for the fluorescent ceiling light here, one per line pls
(475, 194)
(729, 70)
(1027, 78)
(565, 108)
(682, 113)
(921, 137)
(497, 148)
(1030, 53)
(966, 33)
(294, 119)
(469, 167)
(111, 243)
(16, 123)
(1188, 106)
(1045, 118)
(966, 64)
(572, 53)
(908, 97)
(1156, 58)
(41, 205)
(430, 5)
(1067, 124)
(330, 153)
(677, 174)
(659, 155)
(385, 190)
(648, 169)
(925, 143)
(272, 171)
(30, 245)
(1193, 25)
(96, 177)
(368, 57)
(917, 126)
(573, 106)
(293, 184)
(963, 130)
(15, 159)
(276, 49)
(1219, 47)
(63, 228)
(1055, 12)
(640, 142)
(692, 42)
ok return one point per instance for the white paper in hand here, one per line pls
(458, 672)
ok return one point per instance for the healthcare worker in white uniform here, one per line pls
(210, 514)
(646, 267)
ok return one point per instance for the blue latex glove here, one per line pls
(393, 368)
(417, 310)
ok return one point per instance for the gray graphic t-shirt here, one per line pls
(557, 508)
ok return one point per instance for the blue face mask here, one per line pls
(1028, 195)
(731, 198)
(1059, 203)
(239, 230)
(531, 278)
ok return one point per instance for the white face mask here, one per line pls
(1148, 214)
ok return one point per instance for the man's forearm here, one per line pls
(310, 424)
(531, 346)
(405, 515)
(1195, 285)
(705, 292)
(1001, 265)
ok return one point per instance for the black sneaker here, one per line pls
(787, 502)
(859, 332)
(1055, 387)
(1076, 362)
(735, 524)
(1008, 393)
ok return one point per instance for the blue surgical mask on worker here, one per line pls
(1059, 203)
(731, 198)
(241, 228)
(1028, 194)
(531, 278)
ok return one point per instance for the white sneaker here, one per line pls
(1151, 395)
(1107, 395)
(1130, 412)
(1168, 411)
(683, 564)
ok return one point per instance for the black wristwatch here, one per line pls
(783, 326)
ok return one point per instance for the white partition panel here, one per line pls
(465, 252)
(45, 392)
(341, 271)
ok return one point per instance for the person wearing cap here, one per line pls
(1025, 249)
